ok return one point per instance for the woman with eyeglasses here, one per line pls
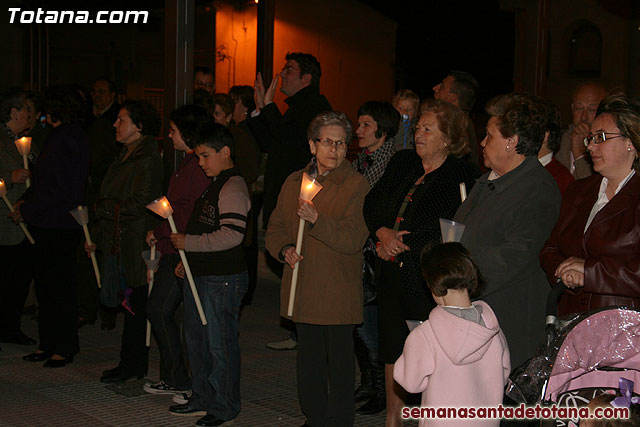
(402, 210)
(328, 299)
(594, 248)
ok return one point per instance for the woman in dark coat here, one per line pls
(594, 248)
(59, 181)
(428, 179)
(508, 216)
(132, 181)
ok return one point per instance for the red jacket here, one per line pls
(185, 185)
(560, 174)
(610, 246)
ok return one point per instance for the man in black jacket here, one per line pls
(284, 136)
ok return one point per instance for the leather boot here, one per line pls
(378, 401)
(365, 390)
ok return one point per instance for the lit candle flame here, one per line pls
(24, 145)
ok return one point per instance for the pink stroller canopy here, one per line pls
(608, 338)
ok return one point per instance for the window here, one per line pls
(585, 50)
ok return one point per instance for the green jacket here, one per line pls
(133, 183)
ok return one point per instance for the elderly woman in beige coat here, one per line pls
(328, 300)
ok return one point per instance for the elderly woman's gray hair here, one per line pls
(329, 118)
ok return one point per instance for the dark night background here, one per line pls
(436, 36)
(433, 36)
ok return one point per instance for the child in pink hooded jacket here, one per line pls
(459, 357)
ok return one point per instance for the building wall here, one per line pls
(354, 44)
(620, 63)
(616, 34)
(236, 44)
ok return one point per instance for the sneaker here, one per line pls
(161, 388)
(287, 344)
(182, 398)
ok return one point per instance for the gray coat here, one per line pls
(507, 222)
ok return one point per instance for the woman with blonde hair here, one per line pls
(402, 211)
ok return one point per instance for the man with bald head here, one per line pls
(572, 153)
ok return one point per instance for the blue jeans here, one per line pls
(213, 349)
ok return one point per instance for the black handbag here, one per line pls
(113, 281)
(369, 260)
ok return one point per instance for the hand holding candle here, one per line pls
(162, 207)
(308, 190)
(24, 148)
(3, 194)
(81, 215)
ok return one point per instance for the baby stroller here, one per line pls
(585, 355)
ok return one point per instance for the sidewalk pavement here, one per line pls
(73, 396)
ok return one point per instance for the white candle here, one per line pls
(24, 147)
(23, 226)
(83, 219)
(309, 188)
(152, 257)
(163, 208)
(463, 191)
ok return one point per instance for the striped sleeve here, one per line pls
(234, 203)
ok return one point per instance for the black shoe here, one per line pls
(37, 357)
(58, 363)
(119, 376)
(17, 337)
(375, 405)
(210, 420)
(186, 410)
(111, 372)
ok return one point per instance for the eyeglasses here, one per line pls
(206, 84)
(327, 142)
(600, 137)
(287, 69)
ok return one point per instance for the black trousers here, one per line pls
(164, 301)
(55, 281)
(326, 374)
(133, 351)
(16, 272)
